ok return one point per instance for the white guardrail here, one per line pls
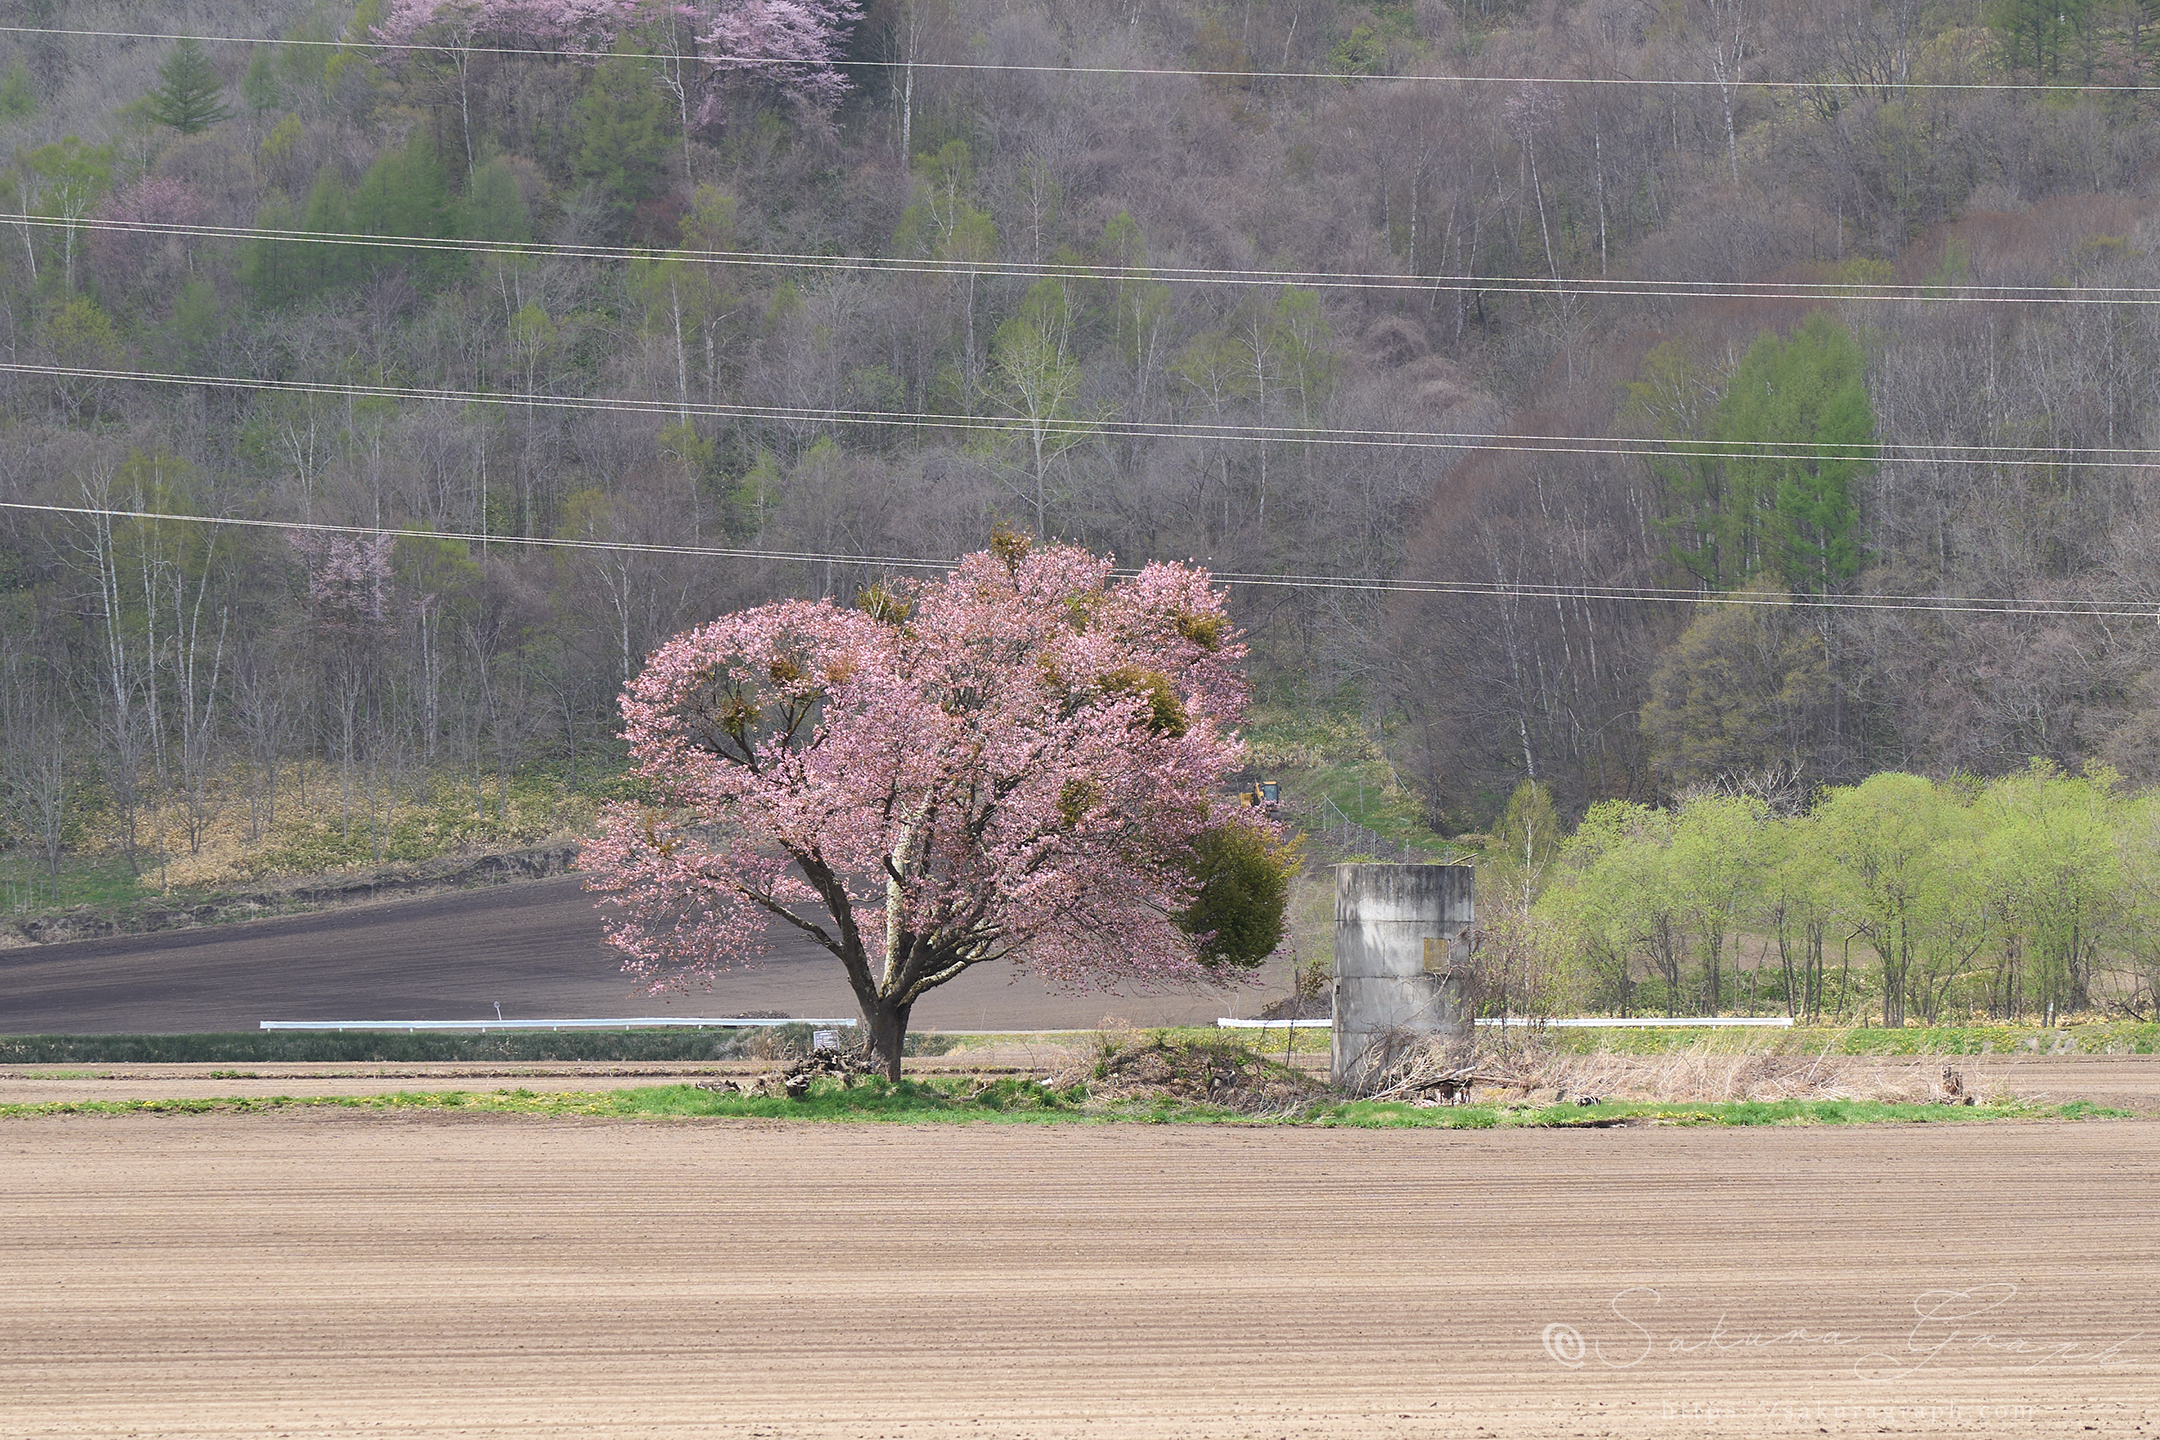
(1674, 1022)
(1651, 1022)
(637, 1022)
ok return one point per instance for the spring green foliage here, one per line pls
(625, 123)
(1742, 691)
(1802, 396)
(187, 97)
(1362, 52)
(1783, 508)
(2072, 41)
(1900, 896)
(81, 333)
(405, 192)
(494, 207)
(281, 140)
(1514, 969)
(1244, 890)
(197, 315)
(945, 222)
(1334, 768)
(262, 87)
(18, 96)
(1528, 836)
(1519, 856)
(271, 270)
(64, 181)
(326, 263)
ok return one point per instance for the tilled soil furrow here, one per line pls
(325, 1274)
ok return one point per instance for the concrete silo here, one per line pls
(1402, 947)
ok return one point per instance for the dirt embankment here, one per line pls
(427, 877)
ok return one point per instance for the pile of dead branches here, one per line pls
(847, 1064)
(1226, 1074)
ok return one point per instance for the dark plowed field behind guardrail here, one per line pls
(537, 947)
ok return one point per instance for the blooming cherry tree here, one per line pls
(457, 31)
(135, 252)
(793, 46)
(348, 577)
(1012, 761)
(575, 24)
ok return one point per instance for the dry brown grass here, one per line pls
(1535, 1075)
(321, 827)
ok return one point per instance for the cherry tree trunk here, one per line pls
(888, 1034)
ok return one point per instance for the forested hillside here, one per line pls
(1843, 310)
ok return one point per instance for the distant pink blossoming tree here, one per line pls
(348, 578)
(122, 257)
(457, 31)
(1014, 761)
(512, 24)
(792, 47)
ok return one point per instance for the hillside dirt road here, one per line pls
(317, 1274)
(536, 946)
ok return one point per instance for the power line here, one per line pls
(638, 547)
(1909, 453)
(1167, 274)
(1151, 72)
(1963, 605)
(1983, 605)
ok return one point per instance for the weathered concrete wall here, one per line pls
(1402, 934)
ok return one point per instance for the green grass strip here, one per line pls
(958, 1100)
(505, 1046)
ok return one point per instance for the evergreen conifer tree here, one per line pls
(260, 87)
(18, 97)
(625, 146)
(188, 91)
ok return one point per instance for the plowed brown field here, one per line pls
(535, 947)
(307, 1274)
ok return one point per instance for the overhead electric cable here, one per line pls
(639, 547)
(1888, 452)
(1991, 605)
(1166, 274)
(1149, 72)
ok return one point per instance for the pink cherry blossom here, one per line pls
(123, 257)
(791, 46)
(1008, 762)
(348, 577)
(573, 24)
